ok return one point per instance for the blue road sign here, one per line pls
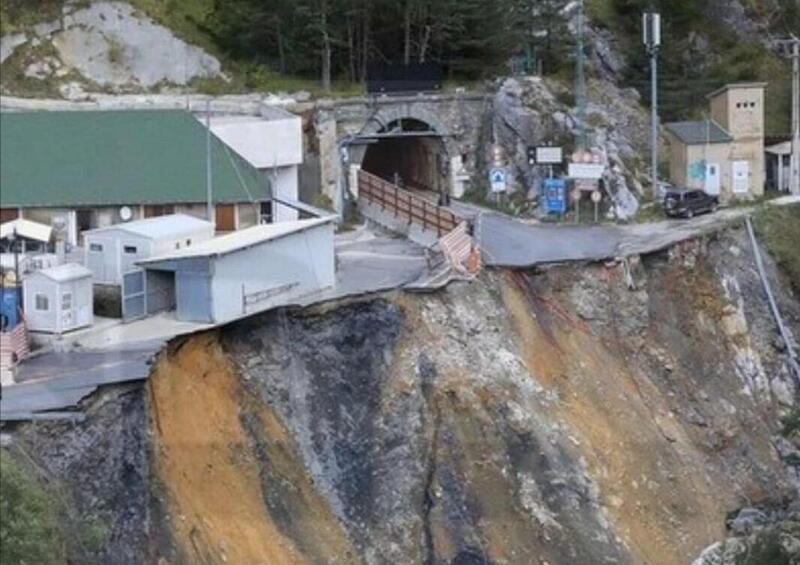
(555, 195)
(497, 178)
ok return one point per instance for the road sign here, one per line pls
(586, 171)
(586, 185)
(549, 155)
(596, 196)
(555, 195)
(497, 178)
(575, 194)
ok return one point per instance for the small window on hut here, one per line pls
(42, 303)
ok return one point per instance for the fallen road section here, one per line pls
(52, 384)
(507, 242)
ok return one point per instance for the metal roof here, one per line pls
(27, 229)
(65, 273)
(94, 158)
(698, 133)
(161, 226)
(239, 240)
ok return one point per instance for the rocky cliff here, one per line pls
(620, 413)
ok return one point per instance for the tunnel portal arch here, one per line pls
(412, 146)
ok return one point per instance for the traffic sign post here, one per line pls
(596, 198)
(497, 179)
(576, 198)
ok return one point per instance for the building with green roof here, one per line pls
(96, 168)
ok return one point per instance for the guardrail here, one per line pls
(406, 205)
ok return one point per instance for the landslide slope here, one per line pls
(582, 414)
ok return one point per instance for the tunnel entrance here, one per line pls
(409, 152)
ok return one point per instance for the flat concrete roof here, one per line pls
(65, 273)
(27, 229)
(736, 85)
(239, 240)
(160, 226)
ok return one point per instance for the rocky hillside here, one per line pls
(620, 413)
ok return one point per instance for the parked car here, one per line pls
(688, 203)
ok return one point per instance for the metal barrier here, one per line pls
(404, 204)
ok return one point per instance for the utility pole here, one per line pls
(651, 24)
(580, 83)
(794, 167)
(209, 197)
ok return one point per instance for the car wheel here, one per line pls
(689, 214)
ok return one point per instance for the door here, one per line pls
(740, 172)
(83, 302)
(712, 179)
(67, 311)
(225, 217)
(95, 261)
(133, 289)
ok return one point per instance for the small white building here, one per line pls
(114, 250)
(249, 271)
(58, 299)
(273, 144)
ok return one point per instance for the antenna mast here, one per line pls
(580, 82)
(209, 198)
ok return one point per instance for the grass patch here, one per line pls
(778, 229)
(29, 531)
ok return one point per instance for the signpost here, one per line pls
(549, 155)
(497, 178)
(576, 197)
(597, 196)
(591, 171)
(555, 194)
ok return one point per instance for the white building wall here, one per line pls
(60, 316)
(285, 186)
(262, 142)
(304, 260)
(113, 261)
(40, 320)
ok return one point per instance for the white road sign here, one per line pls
(586, 171)
(548, 155)
(497, 177)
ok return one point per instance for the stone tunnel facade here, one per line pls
(455, 124)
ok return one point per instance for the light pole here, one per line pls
(651, 29)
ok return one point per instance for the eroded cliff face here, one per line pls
(584, 414)
(581, 414)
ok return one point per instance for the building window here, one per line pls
(95, 247)
(130, 249)
(42, 303)
(188, 242)
(177, 245)
(66, 301)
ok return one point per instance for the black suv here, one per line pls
(688, 202)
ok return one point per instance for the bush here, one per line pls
(29, 531)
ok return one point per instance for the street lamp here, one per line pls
(651, 31)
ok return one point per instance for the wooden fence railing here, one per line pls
(404, 204)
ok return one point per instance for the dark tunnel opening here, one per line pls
(411, 160)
